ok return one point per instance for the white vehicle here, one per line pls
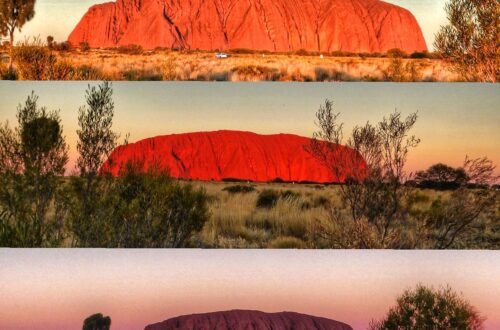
(221, 55)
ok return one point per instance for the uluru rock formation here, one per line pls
(239, 155)
(272, 25)
(249, 320)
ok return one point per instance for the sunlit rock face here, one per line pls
(272, 25)
(220, 155)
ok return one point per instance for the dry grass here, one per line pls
(204, 66)
(236, 222)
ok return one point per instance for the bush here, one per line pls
(239, 189)
(267, 199)
(7, 73)
(97, 322)
(287, 243)
(65, 46)
(84, 46)
(420, 55)
(131, 50)
(400, 72)
(140, 210)
(33, 60)
(396, 53)
(426, 308)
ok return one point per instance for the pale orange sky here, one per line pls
(58, 289)
(455, 119)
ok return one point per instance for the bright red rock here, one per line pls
(215, 156)
(249, 320)
(273, 25)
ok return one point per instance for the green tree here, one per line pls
(148, 209)
(441, 176)
(33, 159)
(427, 308)
(14, 14)
(471, 40)
(97, 322)
(96, 141)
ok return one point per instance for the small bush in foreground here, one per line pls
(239, 189)
(267, 199)
(287, 243)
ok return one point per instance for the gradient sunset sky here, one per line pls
(58, 289)
(455, 119)
(59, 17)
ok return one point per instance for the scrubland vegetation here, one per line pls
(428, 308)
(379, 206)
(37, 60)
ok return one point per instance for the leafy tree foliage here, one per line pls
(471, 39)
(32, 159)
(427, 308)
(96, 140)
(150, 210)
(97, 322)
(14, 14)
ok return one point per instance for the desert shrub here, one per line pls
(33, 60)
(32, 162)
(420, 55)
(50, 42)
(256, 71)
(131, 50)
(373, 198)
(267, 198)
(169, 69)
(339, 53)
(287, 242)
(64, 46)
(239, 189)
(84, 46)
(141, 75)
(97, 322)
(427, 308)
(398, 71)
(87, 72)
(7, 72)
(396, 53)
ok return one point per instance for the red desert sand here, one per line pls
(249, 320)
(272, 25)
(219, 155)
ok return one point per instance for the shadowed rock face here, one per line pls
(249, 320)
(273, 25)
(222, 155)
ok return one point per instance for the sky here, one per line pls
(455, 120)
(59, 17)
(58, 289)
